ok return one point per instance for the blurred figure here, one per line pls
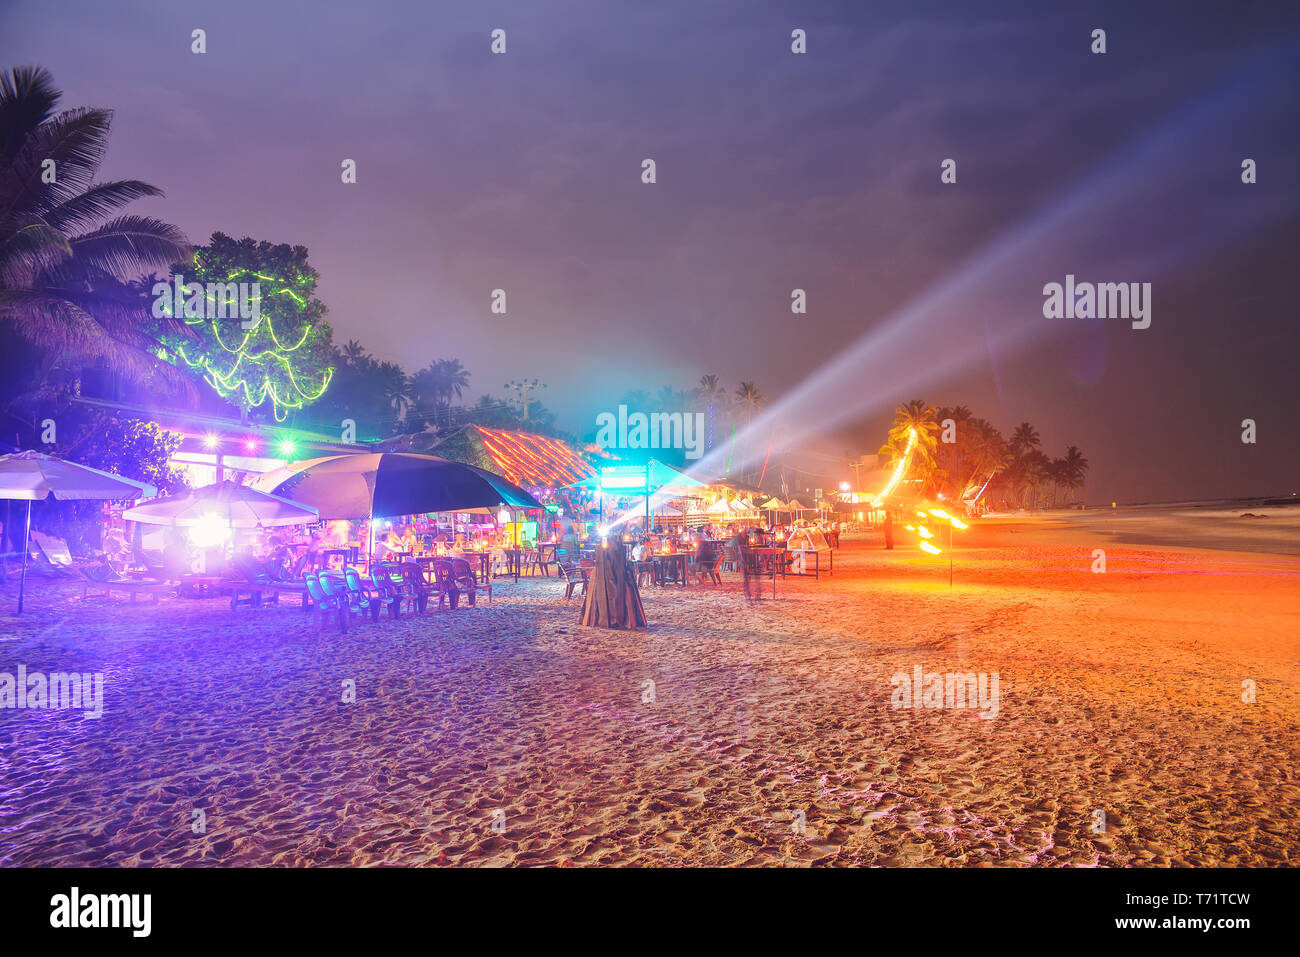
(739, 547)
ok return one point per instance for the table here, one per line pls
(254, 591)
(514, 559)
(341, 553)
(671, 568)
(484, 565)
(765, 556)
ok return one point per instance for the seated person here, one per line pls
(279, 560)
(704, 552)
(639, 552)
(386, 549)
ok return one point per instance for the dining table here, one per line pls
(481, 562)
(670, 568)
(764, 557)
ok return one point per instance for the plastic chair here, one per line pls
(324, 603)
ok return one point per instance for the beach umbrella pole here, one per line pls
(27, 538)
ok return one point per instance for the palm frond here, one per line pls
(97, 203)
(30, 250)
(130, 245)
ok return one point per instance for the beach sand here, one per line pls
(509, 735)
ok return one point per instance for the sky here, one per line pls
(775, 171)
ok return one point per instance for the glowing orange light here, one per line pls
(899, 470)
(925, 532)
(927, 547)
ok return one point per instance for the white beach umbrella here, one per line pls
(34, 477)
(225, 503)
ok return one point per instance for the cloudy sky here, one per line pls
(775, 171)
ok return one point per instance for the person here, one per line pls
(386, 549)
(889, 529)
(569, 539)
(739, 547)
(408, 541)
(279, 560)
(705, 557)
(176, 555)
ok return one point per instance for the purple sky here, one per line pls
(775, 171)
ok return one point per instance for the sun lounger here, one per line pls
(255, 590)
(98, 577)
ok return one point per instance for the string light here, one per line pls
(250, 374)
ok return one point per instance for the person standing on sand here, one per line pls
(741, 556)
(889, 529)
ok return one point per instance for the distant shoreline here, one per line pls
(1257, 501)
(1240, 526)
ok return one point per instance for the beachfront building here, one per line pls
(221, 449)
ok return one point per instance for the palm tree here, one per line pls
(1075, 468)
(353, 352)
(64, 247)
(919, 417)
(989, 455)
(711, 392)
(1024, 438)
(398, 392)
(1034, 470)
(751, 399)
(437, 384)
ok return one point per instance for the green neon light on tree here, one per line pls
(286, 358)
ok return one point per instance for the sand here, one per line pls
(509, 735)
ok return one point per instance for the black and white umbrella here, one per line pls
(382, 484)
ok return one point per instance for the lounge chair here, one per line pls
(102, 577)
(272, 590)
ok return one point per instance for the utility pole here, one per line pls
(857, 475)
(522, 388)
